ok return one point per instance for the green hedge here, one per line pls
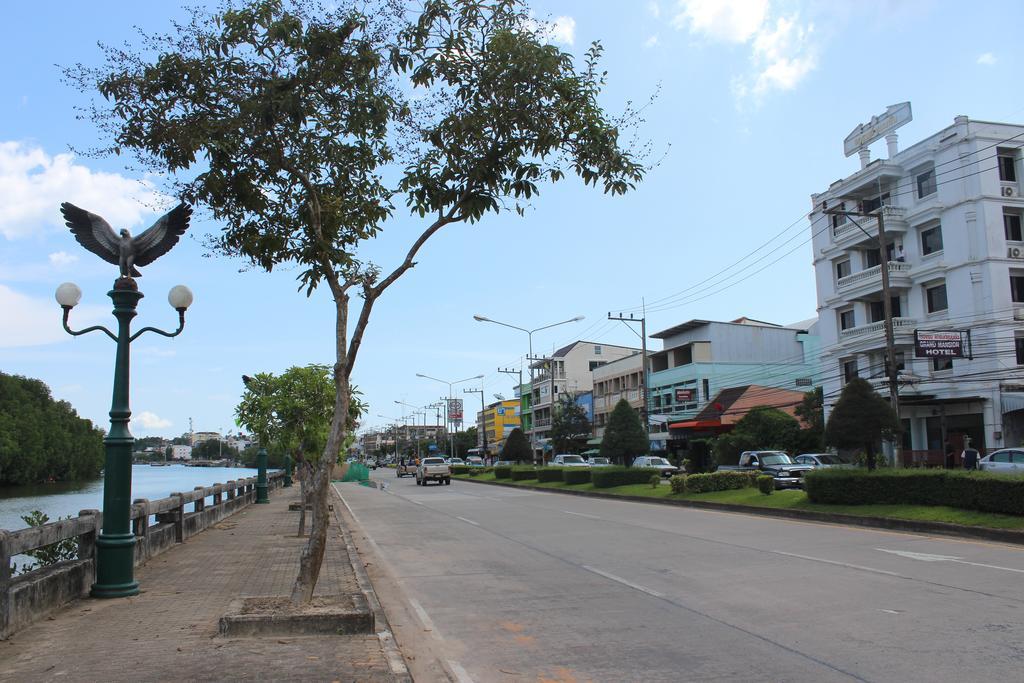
(503, 472)
(576, 475)
(461, 469)
(608, 477)
(522, 473)
(966, 490)
(766, 484)
(549, 474)
(678, 483)
(718, 481)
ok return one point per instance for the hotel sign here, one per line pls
(864, 134)
(947, 344)
(685, 395)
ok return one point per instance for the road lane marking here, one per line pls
(619, 579)
(927, 557)
(422, 614)
(461, 675)
(837, 563)
(581, 514)
(468, 521)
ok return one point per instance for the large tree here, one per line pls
(517, 447)
(301, 127)
(860, 419)
(624, 436)
(570, 428)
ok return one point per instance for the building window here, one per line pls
(931, 240)
(594, 364)
(875, 203)
(707, 389)
(1007, 166)
(940, 364)
(843, 269)
(1017, 288)
(597, 350)
(936, 298)
(846, 319)
(878, 309)
(926, 183)
(1018, 345)
(1011, 225)
(837, 220)
(849, 370)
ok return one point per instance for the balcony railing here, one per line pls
(874, 274)
(899, 325)
(895, 221)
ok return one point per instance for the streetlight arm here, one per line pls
(181, 326)
(481, 319)
(94, 328)
(570, 320)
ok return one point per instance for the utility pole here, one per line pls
(483, 414)
(891, 370)
(551, 378)
(643, 351)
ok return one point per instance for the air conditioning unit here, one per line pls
(1018, 314)
(1007, 191)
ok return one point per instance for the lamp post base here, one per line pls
(261, 476)
(115, 564)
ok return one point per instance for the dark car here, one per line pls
(778, 464)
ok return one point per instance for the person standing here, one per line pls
(969, 458)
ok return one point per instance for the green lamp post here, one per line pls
(261, 475)
(115, 547)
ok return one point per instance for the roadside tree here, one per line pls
(517, 447)
(570, 428)
(860, 419)
(300, 125)
(624, 438)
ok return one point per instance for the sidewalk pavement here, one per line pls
(170, 630)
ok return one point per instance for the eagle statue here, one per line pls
(127, 252)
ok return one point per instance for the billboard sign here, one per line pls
(685, 395)
(944, 344)
(864, 134)
(455, 410)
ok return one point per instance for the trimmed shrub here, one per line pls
(475, 471)
(980, 491)
(718, 481)
(550, 474)
(461, 469)
(654, 481)
(608, 477)
(576, 475)
(766, 484)
(503, 472)
(523, 473)
(678, 483)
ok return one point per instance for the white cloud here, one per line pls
(34, 183)
(652, 41)
(60, 259)
(30, 321)
(783, 55)
(560, 30)
(987, 58)
(150, 420)
(654, 8)
(727, 20)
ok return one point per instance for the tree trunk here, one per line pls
(313, 553)
(303, 476)
(870, 450)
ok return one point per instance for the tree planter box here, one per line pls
(276, 616)
(293, 507)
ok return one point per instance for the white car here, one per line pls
(666, 468)
(568, 460)
(1005, 461)
(598, 461)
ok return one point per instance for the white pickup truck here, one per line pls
(433, 469)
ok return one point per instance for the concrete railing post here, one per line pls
(5, 583)
(216, 495)
(179, 518)
(232, 487)
(200, 502)
(140, 525)
(87, 541)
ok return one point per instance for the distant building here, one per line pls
(200, 437)
(181, 453)
(496, 421)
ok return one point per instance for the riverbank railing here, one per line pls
(157, 524)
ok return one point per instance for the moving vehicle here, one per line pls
(568, 460)
(817, 460)
(409, 468)
(456, 461)
(779, 464)
(433, 469)
(666, 468)
(474, 461)
(1004, 461)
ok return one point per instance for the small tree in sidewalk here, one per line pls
(860, 419)
(624, 438)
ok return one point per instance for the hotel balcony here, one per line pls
(901, 327)
(848, 234)
(868, 282)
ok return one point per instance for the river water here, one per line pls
(68, 498)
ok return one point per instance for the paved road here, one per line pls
(528, 586)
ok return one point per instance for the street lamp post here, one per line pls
(115, 547)
(451, 438)
(529, 334)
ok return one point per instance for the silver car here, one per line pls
(1005, 461)
(818, 460)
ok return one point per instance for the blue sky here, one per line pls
(755, 99)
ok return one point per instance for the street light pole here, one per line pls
(115, 547)
(529, 336)
(451, 438)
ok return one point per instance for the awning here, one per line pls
(1012, 400)
(594, 442)
(592, 451)
(696, 424)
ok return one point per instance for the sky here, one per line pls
(753, 99)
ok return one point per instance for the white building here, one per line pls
(952, 212)
(181, 453)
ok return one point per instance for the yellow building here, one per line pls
(496, 421)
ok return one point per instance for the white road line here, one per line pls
(468, 521)
(619, 579)
(422, 614)
(927, 557)
(837, 564)
(414, 501)
(461, 675)
(580, 514)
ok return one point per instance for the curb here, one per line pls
(934, 528)
(396, 662)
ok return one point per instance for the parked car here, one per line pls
(666, 468)
(568, 460)
(456, 461)
(505, 463)
(1005, 461)
(433, 469)
(600, 462)
(817, 460)
(779, 464)
(475, 461)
